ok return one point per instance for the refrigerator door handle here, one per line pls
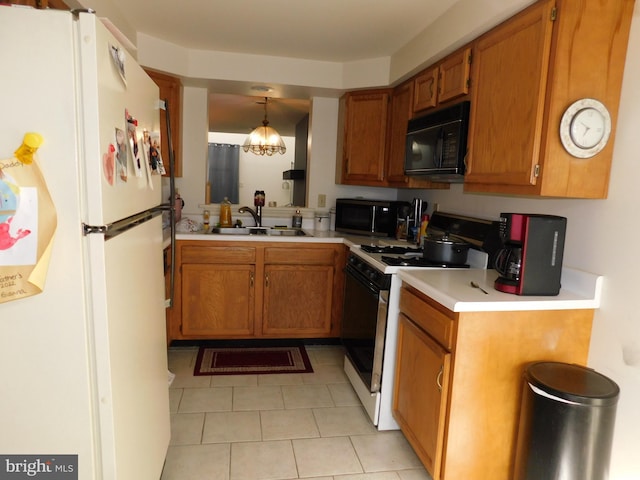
(116, 228)
(164, 105)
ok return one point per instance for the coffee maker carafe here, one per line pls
(530, 262)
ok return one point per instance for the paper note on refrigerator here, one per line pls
(27, 226)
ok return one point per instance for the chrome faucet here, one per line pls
(257, 215)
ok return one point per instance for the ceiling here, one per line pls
(326, 30)
(239, 114)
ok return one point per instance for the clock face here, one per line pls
(585, 128)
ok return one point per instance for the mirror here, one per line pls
(281, 177)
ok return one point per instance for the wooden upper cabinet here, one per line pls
(362, 137)
(444, 81)
(454, 76)
(401, 110)
(401, 107)
(171, 91)
(526, 72)
(426, 89)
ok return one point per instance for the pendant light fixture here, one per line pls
(264, 140)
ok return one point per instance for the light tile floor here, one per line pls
(278, 427)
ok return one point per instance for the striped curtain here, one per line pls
(223, 172)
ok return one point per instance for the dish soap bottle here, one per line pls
(225, 213)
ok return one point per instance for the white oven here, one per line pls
(370, 316)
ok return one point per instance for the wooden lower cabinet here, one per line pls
(297, 300)
(217, 301)
(421, 392)
(459, 380)
(257, 290)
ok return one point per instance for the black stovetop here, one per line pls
(418, 262)
(482, 234)
(393, 249)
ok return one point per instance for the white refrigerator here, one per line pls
(83, 365)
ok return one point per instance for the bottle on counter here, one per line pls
(296, 221)
(401, 229)
(225, 213)
(205, 220)
(259, 198)
(423, 229)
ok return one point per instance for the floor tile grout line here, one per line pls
(333, 403)
(355, 450)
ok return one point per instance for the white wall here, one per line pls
(195, 122)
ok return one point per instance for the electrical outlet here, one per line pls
(322, 200)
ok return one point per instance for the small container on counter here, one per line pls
(296, 220)
(321, 221)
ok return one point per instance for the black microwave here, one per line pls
(377, 218)
(437, 144)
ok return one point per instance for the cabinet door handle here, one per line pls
(251, 279)
(266, 280)
(439, 378)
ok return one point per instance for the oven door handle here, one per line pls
(381, 333)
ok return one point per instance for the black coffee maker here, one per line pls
(530, 262)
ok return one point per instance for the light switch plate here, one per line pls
(322, 200)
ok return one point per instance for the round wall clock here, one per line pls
(585, 128)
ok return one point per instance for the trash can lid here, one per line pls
(573, 383)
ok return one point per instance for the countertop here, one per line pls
(452, 289)
(312, 236)
(449, 287)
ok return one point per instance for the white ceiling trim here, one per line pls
(224, 66)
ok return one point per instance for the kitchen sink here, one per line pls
(293, 232)
(231, 231)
